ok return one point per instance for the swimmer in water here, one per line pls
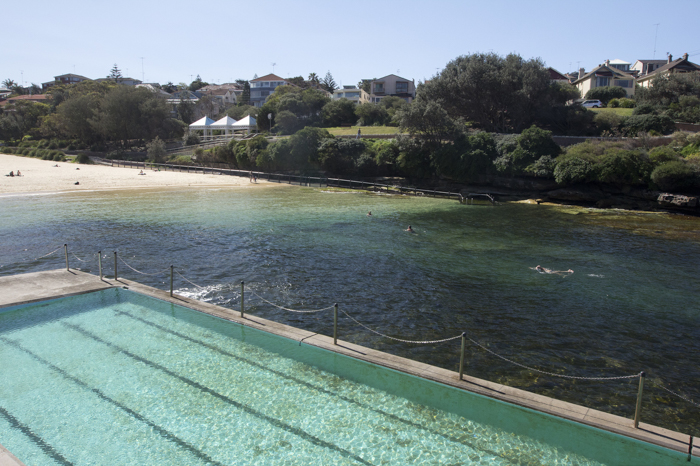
(409, 229)
(541, 269)
(369, 214)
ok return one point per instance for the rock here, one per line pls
(677, 200)
(576, 195)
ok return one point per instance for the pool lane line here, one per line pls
(161, 431)
(35, 439)
(271, 420)
(311, 386)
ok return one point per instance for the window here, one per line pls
(264, 93)
(600, 82)
(401, 88)
(351, 95)
(378, 87)
(623, 83)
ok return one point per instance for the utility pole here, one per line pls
(655, 37)
(142, 73)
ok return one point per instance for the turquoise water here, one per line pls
(118, 378)
(631, 304)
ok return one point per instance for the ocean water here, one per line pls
(630, 305)
(113, 377)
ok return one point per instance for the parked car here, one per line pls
(592, 104)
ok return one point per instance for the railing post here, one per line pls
(171, 281)
(335, 324)
(99, 262)
(461, 356)
(115, 265)
(65, 249)
(638, 411)
(242, 299)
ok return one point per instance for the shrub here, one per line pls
(621, 166)
(43, 143)
(614, 103)
(674, 176)
(82, 158)
(627, 103)
(646, 123)
(571, 168)
(71, 146)
(156, 150)
(661, 154)
(608, 121)
(645, 109)
(32, 153)
(46, 155)
(606, 93)
(59, 156)
(192, 140)
(53, 145)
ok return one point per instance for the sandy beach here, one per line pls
(43, 176)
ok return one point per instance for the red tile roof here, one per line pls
(269, 77)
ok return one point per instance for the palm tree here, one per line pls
(9, 83)
(313, 78)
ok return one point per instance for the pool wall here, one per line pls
(571, 427)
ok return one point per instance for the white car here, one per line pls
(592, 104)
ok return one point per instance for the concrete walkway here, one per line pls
(40, 286)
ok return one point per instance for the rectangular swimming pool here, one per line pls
(116, 377)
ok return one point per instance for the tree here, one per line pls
(430, 122)
(366, 85)
(313, 79)
(606, 93)
(197, 84)
(156, 150)
(9, 83)
(499, 94)
(185, 109)
(245, 95)
(328, 83)
(115, 74)
(339, 112)
(169, 87)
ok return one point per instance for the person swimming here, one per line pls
(541, 269)
(409, 229)
(369, 214)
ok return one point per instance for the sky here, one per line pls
(226, 40)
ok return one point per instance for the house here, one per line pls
(352, 93)
(643, 67)
(394, 86)
(682, 65)
(64, 79)
(604, 75)
(176, 98)
(4, 92)
(227, 93)
(156, 89)
(620, 65)
(261, 88)
(125, 81)
(557, 77)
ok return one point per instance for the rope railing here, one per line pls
(633, 376)
(143, 273)
(656, 382)
(312, 311)
(422, 342)
(32, 260)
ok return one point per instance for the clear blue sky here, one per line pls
(224, 40)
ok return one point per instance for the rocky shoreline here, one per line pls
(600, 196)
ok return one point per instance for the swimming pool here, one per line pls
(118, 377)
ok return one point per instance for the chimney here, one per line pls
(581, 72)
(670, 58)
(607, 62)
(685, 56)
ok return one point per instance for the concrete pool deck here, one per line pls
(41, 286)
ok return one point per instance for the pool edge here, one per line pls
(41, 286)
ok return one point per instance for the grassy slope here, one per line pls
(366, 130)
(619, 111)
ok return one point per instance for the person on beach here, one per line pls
(359, 133)
(11, 174)
(18, 173)
(141, 172)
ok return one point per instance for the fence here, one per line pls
(658, 383)
(302, 180)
